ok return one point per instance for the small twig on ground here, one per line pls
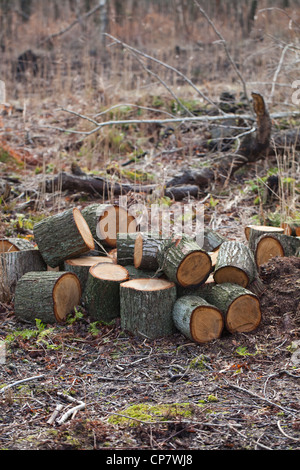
(72, 411)
(21, 381)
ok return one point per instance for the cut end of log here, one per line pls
(194, 269)
(6, 246)
(14, 244)
(138, 251)
(267, 248)
(206, 324)
(109, 272)
(113, 220)
(231, 274)
(66, 295)
(145, 284)
(83, 228)
(244, 314)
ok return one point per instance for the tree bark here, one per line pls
(145, 252)
(197, 319)
(125, 248)
(48, 296)
(13, 265)
(146, 307)
(15, 244)
(81, 266)
(63, 236)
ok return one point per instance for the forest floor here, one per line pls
(238, 392)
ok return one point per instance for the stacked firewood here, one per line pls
(156, 286)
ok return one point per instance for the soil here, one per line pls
(240, 391)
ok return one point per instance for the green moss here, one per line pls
(151, 413)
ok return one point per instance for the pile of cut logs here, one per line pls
(155, 286)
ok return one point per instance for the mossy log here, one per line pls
(63, 236)
(256, 232)
(13, 265)
(270, 246)
(102, 292)
(183, 262)
(15, 244)
(240, 307)
(198, 320)
(235, 264)
(145, 252)
(81, 266)
(48, 296)
(106, 221)
(146, 307)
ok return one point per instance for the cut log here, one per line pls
(212, 240)
(145, 252)
(261, 229)
(135, 273)
(81, 266)
(292, 228)
(197, 319)
(13, 265)
(235, 264)
(146, 307)
(101, 296)
(15, 244)
(63, 236)
(257, 231)
(184, 262)
(48, 296)
(270, 246)
(240, 307)
(107, 220)
(125, 248)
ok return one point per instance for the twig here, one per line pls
(226, 49)
(278, 70)
(170, 67)
(21, 381)
(285, 434)
(81, 405)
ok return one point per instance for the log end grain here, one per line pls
(231, 274)
(66, 295)
(194, 269)
(83, 228)
(266, 249)
(244, 314)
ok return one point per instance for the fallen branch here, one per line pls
(20, 382)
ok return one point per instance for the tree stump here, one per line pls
(13, 265)
(15, 244)
(49, 296)
(102, 292)
(145, 252)
(63, 236)
(146, 307)
(240, 307)
(270, 246)
(184, 262)
(81, 266)
(197, 319)
(257, 231)
(106, 221)
(235, 264)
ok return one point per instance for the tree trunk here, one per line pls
(183, 262)
(146, 307)
(268, 246)
(253, 232)
(102, 293)
(13, 265)
(48, 296)
(240, 307)
(235, 264)
(197, 319)
(63, 236)
(81, 266)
